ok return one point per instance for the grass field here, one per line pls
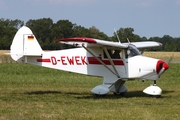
(29, 92)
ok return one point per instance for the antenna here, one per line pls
(117, 35)
(128, 40)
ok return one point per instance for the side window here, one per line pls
(110, 53)
(114, 54)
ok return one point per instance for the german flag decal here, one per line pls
(30, 37)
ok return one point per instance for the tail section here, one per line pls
(25, 44)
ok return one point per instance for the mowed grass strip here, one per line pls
(32, 92)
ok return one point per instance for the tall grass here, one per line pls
(4, 57)
(31, 92)
(170, 57)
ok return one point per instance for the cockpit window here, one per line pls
(132, 51)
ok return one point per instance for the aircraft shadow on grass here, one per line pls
(86, 95)
(40, 92)
(130, 94)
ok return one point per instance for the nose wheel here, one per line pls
(153, 90)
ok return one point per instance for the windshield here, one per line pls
(132, 51)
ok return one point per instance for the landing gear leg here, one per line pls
(154, 82)
(121, 91)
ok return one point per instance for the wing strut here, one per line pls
(98, 60)
(104, 48)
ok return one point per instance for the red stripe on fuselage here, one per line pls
(93, 60)
(43, 60)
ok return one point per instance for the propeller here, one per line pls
(161, 67)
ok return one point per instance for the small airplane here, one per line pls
(116, 62)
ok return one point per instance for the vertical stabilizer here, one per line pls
(25, 44)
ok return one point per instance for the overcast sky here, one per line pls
(149, 18)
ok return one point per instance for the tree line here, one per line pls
(46, 32)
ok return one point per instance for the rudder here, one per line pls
(25, 44)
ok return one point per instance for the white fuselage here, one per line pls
(78, 60)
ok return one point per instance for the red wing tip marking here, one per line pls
(77, 39)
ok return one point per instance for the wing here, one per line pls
(146, 44)
(90, 42)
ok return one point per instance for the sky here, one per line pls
(149, 18)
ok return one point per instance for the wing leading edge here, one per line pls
(91, 42)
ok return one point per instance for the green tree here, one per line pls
(157, 39)
(8, 29)
(95, 33)
(47, 32)
(167, 42)
(61, 29)
(79, 31)
(124, 34)
(41, 29)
